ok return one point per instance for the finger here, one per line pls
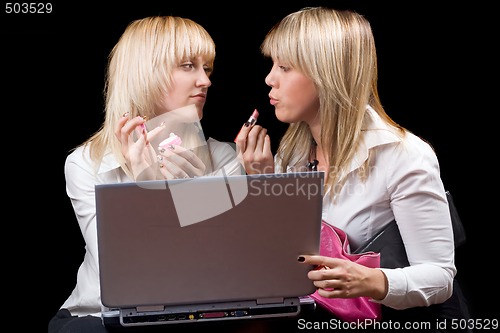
(315, 260)
(151, 134)
(164, 171)
(241, 138)
(175, 150)
(184, 163)
(140, 134)
(320, 274)
(260, 141)
(331, 292)
(126, 126)
(253, 138)
(175, 163)
(130, 125)
(174, 170)
(267, 144)
(121, 135)
(193, 159)
(121, 123)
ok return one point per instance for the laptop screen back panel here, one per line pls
(248, 252)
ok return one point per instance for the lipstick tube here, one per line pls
(253, 118)
(251, 121)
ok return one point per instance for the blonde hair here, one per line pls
(336, 50)
(139, 72)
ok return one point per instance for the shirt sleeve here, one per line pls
(80, 182)
(420, 207)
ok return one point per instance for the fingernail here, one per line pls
(301, 259)
(125, 114)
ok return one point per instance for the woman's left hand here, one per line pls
(340, 278)
(179, 162)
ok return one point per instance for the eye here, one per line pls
(208, 70)
(284, 68)
(187, 65)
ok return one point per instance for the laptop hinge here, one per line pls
(146, 308)
(270, 300)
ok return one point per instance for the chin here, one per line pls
(281, 116)
(200, 112)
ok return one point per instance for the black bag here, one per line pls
(389, 244)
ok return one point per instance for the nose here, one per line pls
(203, 79)
(270, 81)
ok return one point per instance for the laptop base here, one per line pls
(205, 313)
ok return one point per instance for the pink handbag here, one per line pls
(334, 243)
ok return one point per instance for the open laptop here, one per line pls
(209, 248)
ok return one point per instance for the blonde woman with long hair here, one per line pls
(159, 67)
(323, 83)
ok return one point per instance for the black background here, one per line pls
(433, 77)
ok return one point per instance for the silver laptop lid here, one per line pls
(208, 239)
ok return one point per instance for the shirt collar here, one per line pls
(108, 163)
(375, 133)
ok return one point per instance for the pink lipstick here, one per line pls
(253, 118)
(250, 122)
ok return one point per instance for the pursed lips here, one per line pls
(202, 96)
(272, 100)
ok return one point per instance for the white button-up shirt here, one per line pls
(404, 184)
(80, 187)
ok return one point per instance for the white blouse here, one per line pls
(404, 184)
(80, 183)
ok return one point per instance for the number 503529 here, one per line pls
(28, 8)
(478, 324)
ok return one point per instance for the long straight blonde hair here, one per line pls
(336, 50)
(139, 73)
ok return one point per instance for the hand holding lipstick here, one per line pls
(250, 122)
(139, 156)
(253, 147)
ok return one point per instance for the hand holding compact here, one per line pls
(176, 161)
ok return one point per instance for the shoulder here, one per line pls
(79, 156)
(80, 159)
(224, 157)
(413, 147)
(378, 134)
(221, 149)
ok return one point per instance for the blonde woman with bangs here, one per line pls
(160, 66)
(323, 83)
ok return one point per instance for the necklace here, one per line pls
(313, 165)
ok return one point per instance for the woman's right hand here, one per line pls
(139, 156)
(253, 147)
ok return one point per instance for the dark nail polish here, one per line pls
(301, 259)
